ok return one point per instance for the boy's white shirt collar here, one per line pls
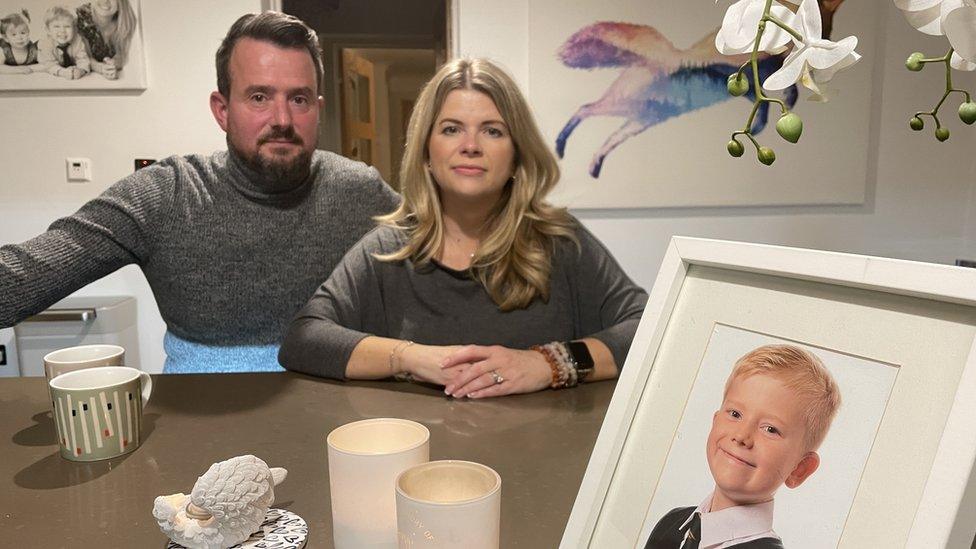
(733, 525)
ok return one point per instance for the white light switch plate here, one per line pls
(79, 169)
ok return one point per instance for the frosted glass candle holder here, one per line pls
(365, 458)
(448, 504)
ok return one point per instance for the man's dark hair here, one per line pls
(280, 29)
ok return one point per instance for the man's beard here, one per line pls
(282, 173)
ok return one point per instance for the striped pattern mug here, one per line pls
(98, 411)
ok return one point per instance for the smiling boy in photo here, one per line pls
(778, 405)
(63, 52)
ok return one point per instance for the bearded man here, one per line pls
(234, 243)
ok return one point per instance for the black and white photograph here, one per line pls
(51, 45)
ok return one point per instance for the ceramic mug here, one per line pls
(98, 411)
(70, 359)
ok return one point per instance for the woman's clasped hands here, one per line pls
(477, 371)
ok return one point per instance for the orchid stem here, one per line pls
(743, 66)
(948, 68)
(774, 20)
(752, 117)
(754, 62)
(753, 139)
(782, 106)
(761, 97)
(934, 113)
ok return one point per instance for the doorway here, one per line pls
(377, 56)
(379, 88)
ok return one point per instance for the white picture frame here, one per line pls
(920, 317)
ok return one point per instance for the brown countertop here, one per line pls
(538, 443)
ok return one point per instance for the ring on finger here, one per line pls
(496, 377)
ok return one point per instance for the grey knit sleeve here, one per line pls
(343, 311)
(610, 305)
(107, 233)
(384, 195)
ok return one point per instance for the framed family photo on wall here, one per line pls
(71, 45)
(694, 423)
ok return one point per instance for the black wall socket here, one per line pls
(143, 162)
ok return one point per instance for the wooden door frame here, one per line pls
(345, 130)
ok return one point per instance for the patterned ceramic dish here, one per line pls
(281, 529)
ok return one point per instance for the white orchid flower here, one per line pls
(928, 20)
(916, 5)
(929, 16)
(961, 64)
(741, 23)
(815, 60)
(959, 24)
(956, 19)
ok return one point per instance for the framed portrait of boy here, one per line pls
(780, 397)
(72, 45)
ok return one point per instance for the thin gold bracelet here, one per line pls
(395, 354)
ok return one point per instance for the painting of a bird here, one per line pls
(659, 81)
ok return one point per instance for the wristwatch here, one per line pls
(579, 353)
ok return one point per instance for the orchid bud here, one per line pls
(789, 127)
(916, 123)
(737, 84)
(967, 112)
(942, 134)
(735, 148)
(766, 155)
(914, 62)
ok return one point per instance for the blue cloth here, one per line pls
(187, 357)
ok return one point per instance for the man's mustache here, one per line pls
(282, 134)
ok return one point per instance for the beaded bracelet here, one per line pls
(564, 372)
(553, 364)
(566, 363)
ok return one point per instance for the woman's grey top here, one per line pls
(590, 296)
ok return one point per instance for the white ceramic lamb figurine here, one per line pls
(227, 505)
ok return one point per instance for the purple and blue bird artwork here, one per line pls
(659, 81)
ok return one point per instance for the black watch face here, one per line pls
(581, 354)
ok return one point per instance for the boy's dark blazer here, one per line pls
(666, 533)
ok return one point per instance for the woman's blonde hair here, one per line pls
(514, 260)
(125, 28)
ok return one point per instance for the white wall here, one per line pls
(920, 199)
(172, 116)
(920, 202)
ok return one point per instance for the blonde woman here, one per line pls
(107, 27)
(474, 283)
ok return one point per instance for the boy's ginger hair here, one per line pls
(805, 375)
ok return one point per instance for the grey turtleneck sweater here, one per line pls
(229, 257)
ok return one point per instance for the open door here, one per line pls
(358, 108)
